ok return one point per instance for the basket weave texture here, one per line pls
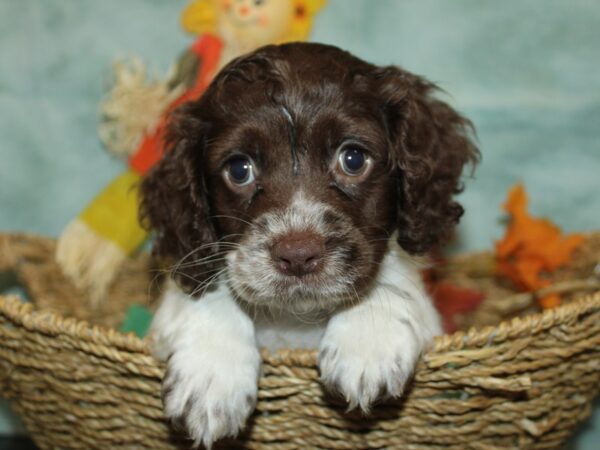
(516, 379)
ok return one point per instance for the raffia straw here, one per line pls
(133, 106)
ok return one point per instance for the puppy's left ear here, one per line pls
(431, 143)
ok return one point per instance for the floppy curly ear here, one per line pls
(431, 143)
(174, 204)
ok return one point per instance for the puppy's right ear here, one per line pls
(174, 204)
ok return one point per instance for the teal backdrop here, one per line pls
(526, 72)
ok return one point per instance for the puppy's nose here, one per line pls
(298, 253)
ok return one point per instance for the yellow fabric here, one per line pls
(301, 25)
(113, 214)
(202, 16)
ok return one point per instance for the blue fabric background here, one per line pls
(527, 74)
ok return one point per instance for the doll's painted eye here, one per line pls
(240, 171)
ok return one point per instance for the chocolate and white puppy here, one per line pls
(293, 193)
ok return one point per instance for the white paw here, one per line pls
(211, 392)
(369, 362)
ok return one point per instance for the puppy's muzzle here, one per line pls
(298, 254)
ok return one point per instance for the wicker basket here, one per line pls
(525, 382)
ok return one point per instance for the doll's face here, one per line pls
(254, 23)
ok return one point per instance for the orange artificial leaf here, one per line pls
(528, 272)
(532, 247)
(550, 301)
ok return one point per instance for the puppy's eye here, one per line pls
(240, 171)
(353, 161)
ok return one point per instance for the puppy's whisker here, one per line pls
(186, 275)
(227, 247)
(199, 274)
(190, 277)
(207, 259)
(241, 291)
(224, 216)
(214, 259)
(220, 241)
(202, 286)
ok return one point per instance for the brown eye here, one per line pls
(353, 163)
(240, 171)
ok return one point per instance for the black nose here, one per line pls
(298, 253)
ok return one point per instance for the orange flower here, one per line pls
(532, 247)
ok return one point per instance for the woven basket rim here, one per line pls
(25, 314)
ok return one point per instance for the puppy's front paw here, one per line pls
(211, 394)
(369, 363)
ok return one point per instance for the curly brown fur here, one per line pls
(420, 142)
(432, 143)
(175, 205)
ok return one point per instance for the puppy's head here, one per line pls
(291, 172)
